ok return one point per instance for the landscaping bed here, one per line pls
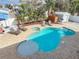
(32, 23)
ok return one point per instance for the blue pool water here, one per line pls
(4, 16)
(47, 40)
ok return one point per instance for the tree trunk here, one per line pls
(78, 14)
(18, 24)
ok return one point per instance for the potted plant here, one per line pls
(50, 5)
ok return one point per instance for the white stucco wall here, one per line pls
(63, 16)
(74, 18)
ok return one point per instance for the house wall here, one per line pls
(74, 18)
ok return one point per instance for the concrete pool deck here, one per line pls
(66, 50)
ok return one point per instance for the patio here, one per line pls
(34, 11)
(67, 50)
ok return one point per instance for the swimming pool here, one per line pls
(47, 40)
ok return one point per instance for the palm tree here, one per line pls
(20, 14)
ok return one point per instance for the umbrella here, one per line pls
(4, 17)
(14, 2)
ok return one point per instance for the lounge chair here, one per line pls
(12, 31)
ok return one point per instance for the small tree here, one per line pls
(50, 5)
(36, 11)
(74, 6)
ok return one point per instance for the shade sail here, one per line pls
(4, 16)
(14, 2)
(1, 19)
